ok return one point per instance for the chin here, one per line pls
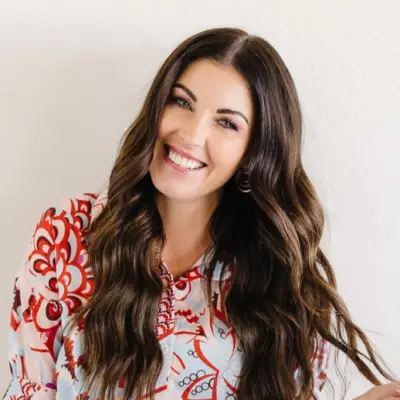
(178, 195)
(173, 190)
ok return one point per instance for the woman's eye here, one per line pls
(228, 124)
(181, 102)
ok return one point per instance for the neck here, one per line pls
(185, 225)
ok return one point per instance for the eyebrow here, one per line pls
(219, 111)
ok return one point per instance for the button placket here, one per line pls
(166, 314)
(167, 310)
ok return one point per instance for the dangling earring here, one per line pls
(242, 180)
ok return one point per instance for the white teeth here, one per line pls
(182, 161)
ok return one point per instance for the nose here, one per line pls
(194, 132)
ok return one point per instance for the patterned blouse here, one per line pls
(202, 357)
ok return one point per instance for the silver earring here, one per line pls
(242, 181)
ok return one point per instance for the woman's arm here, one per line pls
(35, 324)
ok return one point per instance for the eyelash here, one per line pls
(187, 106)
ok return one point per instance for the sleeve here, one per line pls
(320, 367)
(35, 323)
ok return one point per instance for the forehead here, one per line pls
(217, 84)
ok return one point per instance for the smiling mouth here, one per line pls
(181, 161)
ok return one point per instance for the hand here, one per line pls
(390, 391)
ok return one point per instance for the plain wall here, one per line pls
(73, 75)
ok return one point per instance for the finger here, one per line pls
(392, 391)
(389, 390)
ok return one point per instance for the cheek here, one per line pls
(228, 154)
(168, 124)
(162, 131)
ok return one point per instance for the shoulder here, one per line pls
(57, 263)
(78, 212)
(64, 224)
(71, 216)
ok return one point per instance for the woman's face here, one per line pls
(204, 131)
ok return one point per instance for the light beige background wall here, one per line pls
(73, 75)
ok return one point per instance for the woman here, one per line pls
(197, 272)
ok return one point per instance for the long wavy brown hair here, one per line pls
(283, 296)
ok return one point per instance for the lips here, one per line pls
(182, 153)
